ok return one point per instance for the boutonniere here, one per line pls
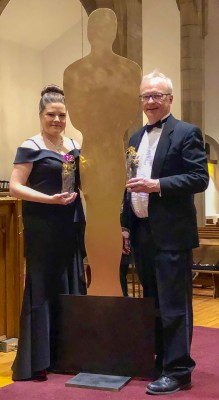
(132, 161)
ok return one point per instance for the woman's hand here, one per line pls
(19, 189)
(63, 198)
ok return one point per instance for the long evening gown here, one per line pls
(54, 263)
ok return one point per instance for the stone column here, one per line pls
(193, 30)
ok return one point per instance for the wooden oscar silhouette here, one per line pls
(101, 92)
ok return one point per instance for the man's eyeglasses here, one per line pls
(157, 97)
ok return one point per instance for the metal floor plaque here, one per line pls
(98, 381)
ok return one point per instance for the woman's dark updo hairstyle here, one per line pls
(51, 94)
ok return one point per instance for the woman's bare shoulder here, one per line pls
(71, 143)
(77, 145)
(32, 142)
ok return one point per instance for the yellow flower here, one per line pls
(132, 157)
(131, 151)
(82, 160)
(69, 165)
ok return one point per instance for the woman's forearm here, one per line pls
(25, 193)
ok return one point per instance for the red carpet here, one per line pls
(205, 380)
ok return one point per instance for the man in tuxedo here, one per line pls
(159, 210)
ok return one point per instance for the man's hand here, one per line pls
(126, 248)
(145, 185)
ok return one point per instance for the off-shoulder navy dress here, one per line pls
(53, 260)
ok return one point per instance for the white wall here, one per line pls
(161, 43)
(59, 55)
(23, 74)
(20, 83)
(24, 71)
(211, 195)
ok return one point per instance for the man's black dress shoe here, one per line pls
(167, 385)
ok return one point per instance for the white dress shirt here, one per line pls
(146, 152)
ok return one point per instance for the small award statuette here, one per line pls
(132, 162)
(68, 173)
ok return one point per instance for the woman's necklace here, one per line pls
(58, 146)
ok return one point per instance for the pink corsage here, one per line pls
(68, 157)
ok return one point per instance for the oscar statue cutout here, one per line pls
(101, 92)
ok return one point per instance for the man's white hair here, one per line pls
(157, 74)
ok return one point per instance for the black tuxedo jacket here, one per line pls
(180, 164)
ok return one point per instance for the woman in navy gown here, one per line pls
(54, 263)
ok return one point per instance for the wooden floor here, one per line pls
(206, 309)
(6, 360)
(206, 313)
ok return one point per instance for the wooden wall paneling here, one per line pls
(11, 266)
(2, 277)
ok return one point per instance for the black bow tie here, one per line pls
(157, 124)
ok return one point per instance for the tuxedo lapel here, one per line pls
(162, 147)
(138, 138)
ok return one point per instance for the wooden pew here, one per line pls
(207, 255)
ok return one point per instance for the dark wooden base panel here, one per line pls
(105, 335)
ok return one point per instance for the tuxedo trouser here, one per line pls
(167, 276)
